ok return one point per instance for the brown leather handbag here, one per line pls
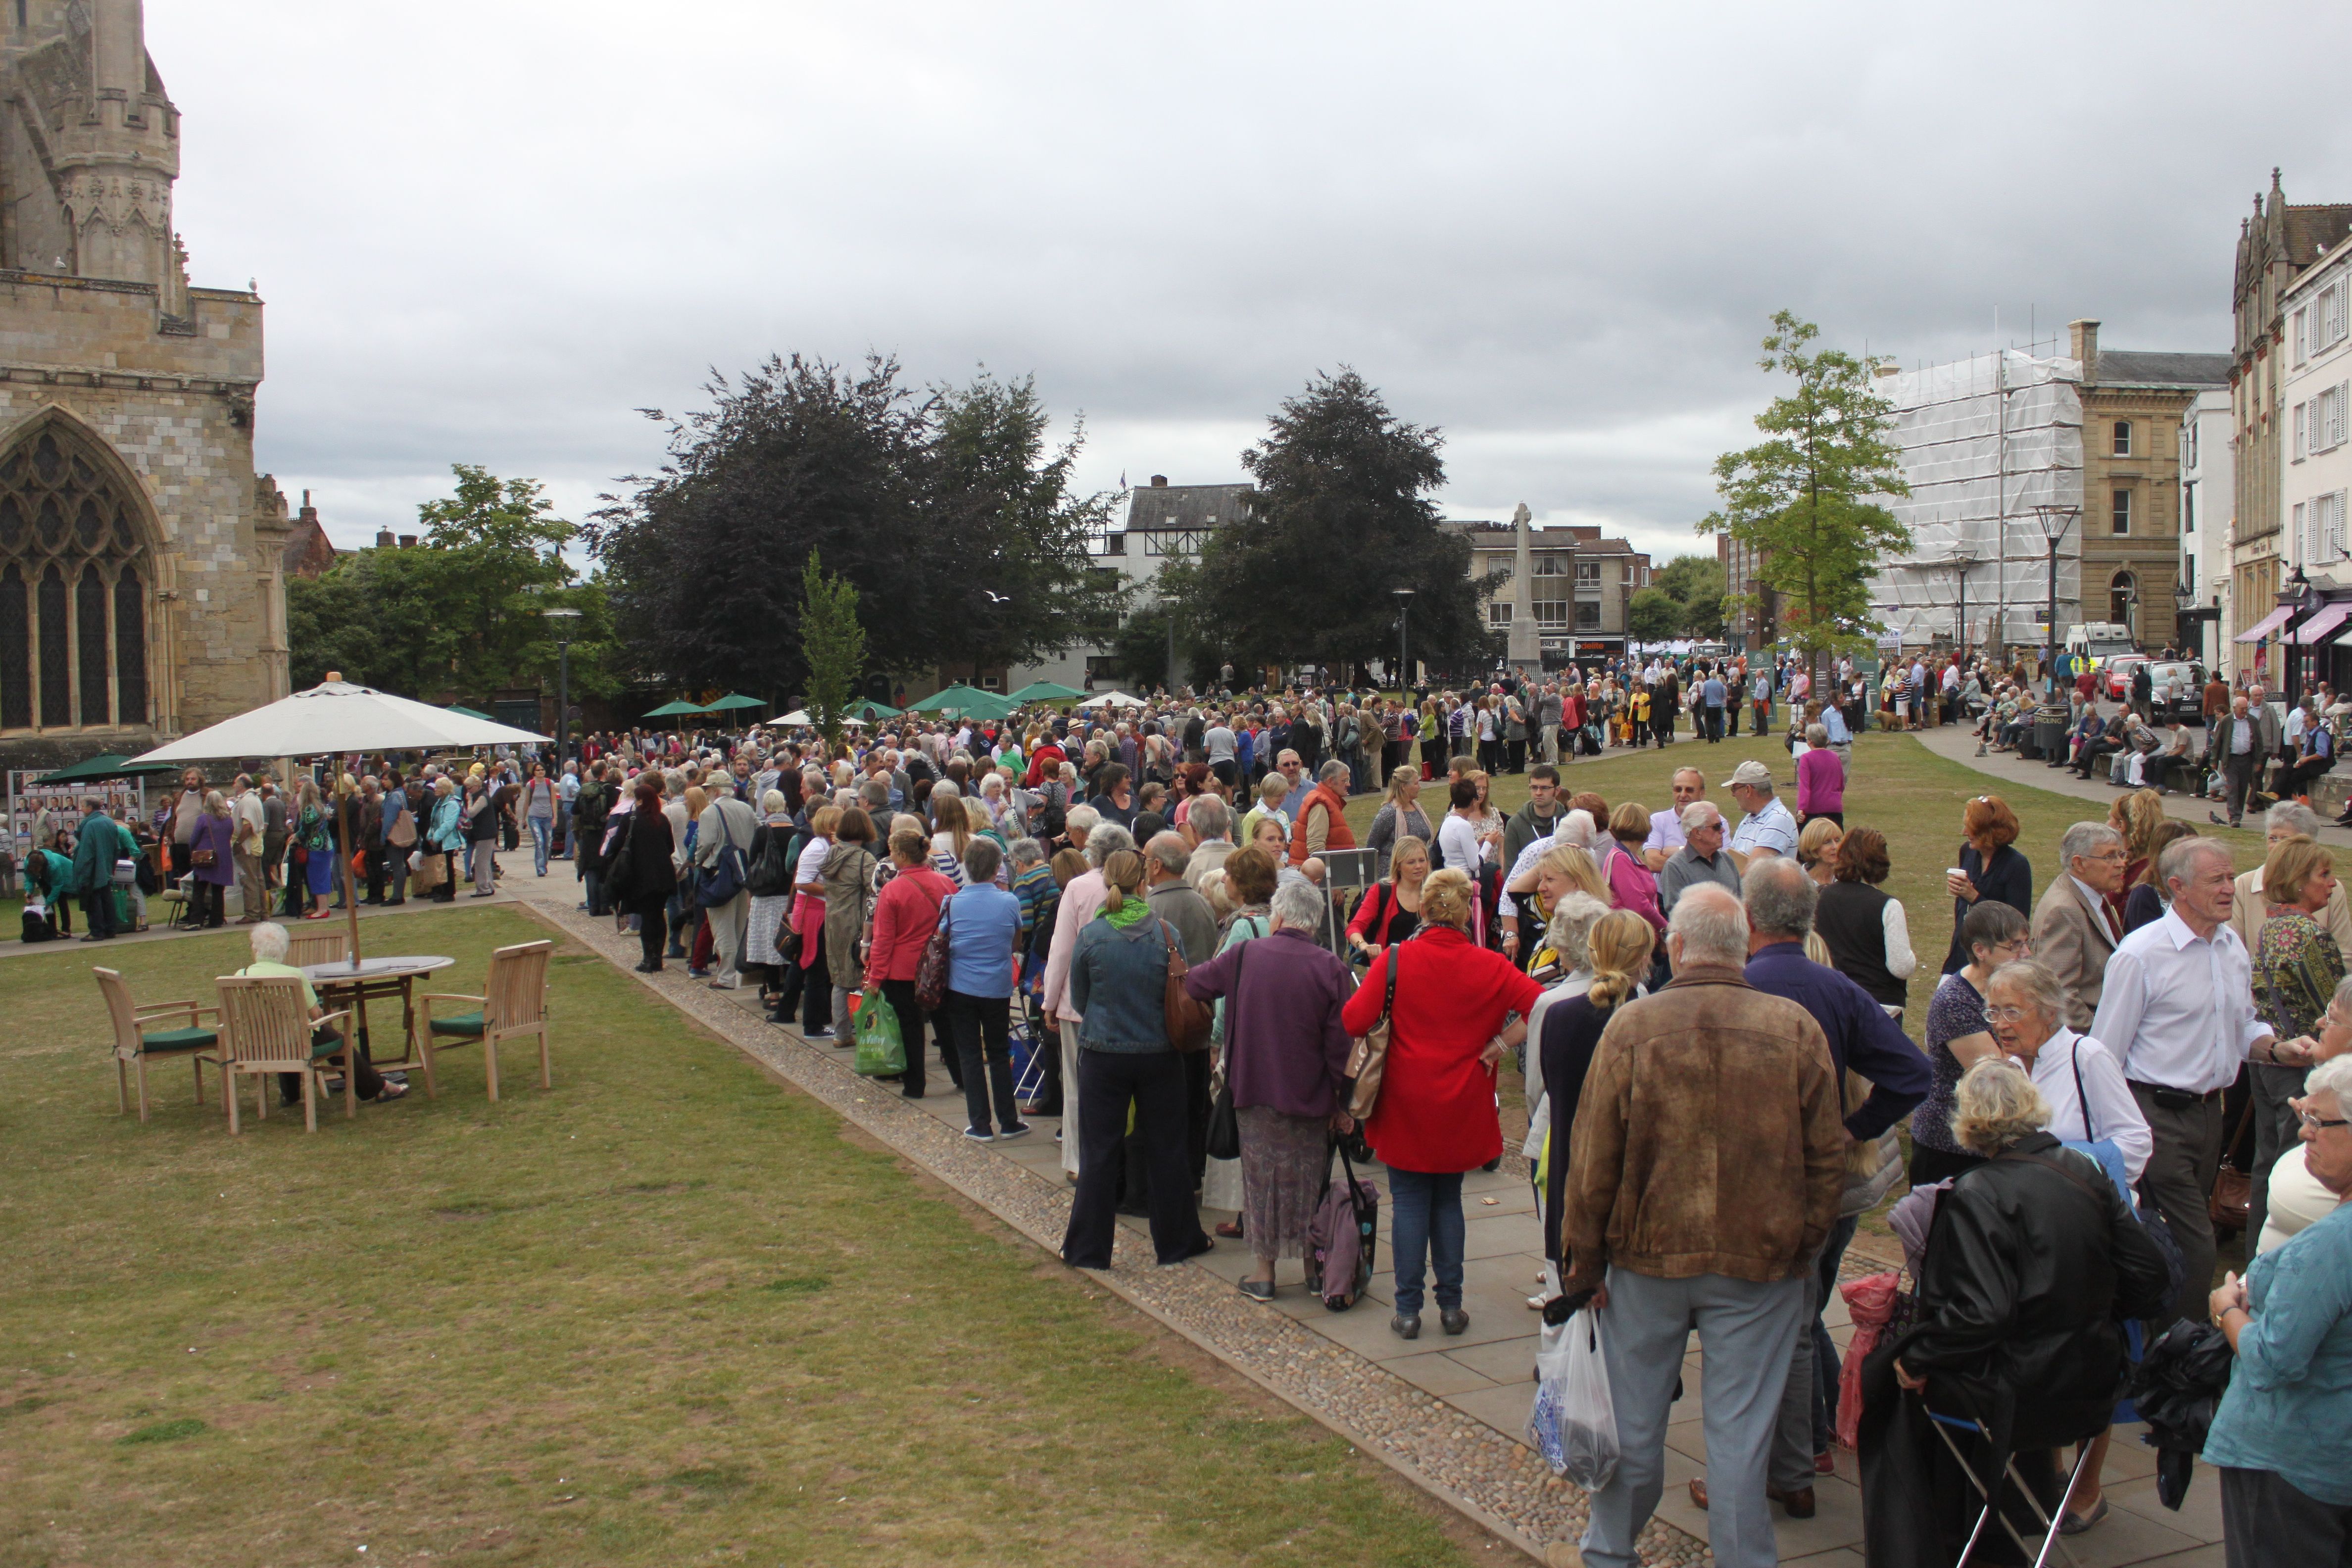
(1368, 1057)
(1188, 1020)
(2232, 1204)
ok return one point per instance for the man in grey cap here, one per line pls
(1769, 828)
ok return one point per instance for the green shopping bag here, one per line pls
(880, 1052)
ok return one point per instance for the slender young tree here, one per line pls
(1798, 498)
(832, 644)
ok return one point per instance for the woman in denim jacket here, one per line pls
(1119, 978)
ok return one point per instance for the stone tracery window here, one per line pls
(73, 580)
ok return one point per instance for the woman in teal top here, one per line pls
(2283, 1436)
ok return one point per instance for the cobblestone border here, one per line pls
(1495, 1480)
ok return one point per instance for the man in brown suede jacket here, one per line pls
(1705, 1169)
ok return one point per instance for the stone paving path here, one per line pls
(1446, 1413)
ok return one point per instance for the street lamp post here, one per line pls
(561, 620)
(1404, 621)
(2182, 598)
(2054, 520)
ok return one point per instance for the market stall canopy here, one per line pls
(1112, 699)
(1045, 691)
(954, 699)
(988, 705)
(106, 765)
(869, 709)
(674, 709)
(732, 701)
(335, 716)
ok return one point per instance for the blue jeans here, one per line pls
(1428, 1222)
(541, 830)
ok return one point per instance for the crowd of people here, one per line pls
(1705, 1007)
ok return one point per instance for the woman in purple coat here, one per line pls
(208, 892)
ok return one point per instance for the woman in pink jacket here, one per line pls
(906, 913)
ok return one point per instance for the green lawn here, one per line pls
(672, 1311)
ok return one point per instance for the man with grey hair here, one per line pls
(2249, 912)
(726, 823)
(1780, 899)
(1188, 914)
(1209, 825)
(1701, 860)
(2178, 1010)
(248, 824)
(2075, 927)
(1729, 1080)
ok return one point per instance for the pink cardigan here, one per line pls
(1821, 782)
(1633, 886)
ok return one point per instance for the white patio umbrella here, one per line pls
(336, 716)
(802, 716)
(1112, 699)
(331, 719)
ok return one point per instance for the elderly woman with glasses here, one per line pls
(2283, 1436)
(2296, 1198)
(2297, 968)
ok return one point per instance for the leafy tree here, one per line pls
(1652, 614)
(1343, 518)
(1797, 498)
(832, 644)
(1140, 644)
(1025, 584)
(456, 615)
(1695, 584)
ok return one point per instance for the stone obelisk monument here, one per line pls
(1526, 651)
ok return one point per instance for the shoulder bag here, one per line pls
(724, 877)
(1225, 1121)
(932, 974)
(1369, 1056)
(1187, 1020)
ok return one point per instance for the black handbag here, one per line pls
(1225, 1121)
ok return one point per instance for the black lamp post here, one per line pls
(560, 625)
(1404, 620)
(2296, 596)
(2183, 597)
(2054, 522)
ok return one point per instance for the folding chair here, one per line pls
(1945, 1425)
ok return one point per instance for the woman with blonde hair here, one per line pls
(1532, 895)
(1817, 849)
(1400, 816)
(954, 837)
(2135, 816)
(1119, 978)
(1617, 951)
(1391, 910)
(1458, 1009)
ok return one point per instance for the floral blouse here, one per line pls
(2297, 967)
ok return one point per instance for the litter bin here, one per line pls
(2050, 732)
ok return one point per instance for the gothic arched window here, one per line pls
(73, 600)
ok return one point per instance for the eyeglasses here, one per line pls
(2005, 1015)
(2319, 1123)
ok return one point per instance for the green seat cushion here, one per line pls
(459, 1024)
(179, 1040)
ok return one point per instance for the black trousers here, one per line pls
(97, 911)
(816, 989)
(2267, 1520)
(1196, 1112)
(912, 1019)
(369, 1082)
(1153, 1083)
(981, 1027)
(652, 927)
(2243, 772)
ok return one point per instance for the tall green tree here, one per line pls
(1028, 583)
(457, 615)
(832, 643)
(1799, 497)
(1342, 518)
(1652, 614)
(1695, 584)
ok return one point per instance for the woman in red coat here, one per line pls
(1458, 1009)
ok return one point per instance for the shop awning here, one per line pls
(2329, 617)
(2265, 626)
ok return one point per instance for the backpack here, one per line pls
(771, 874)
(38, 926)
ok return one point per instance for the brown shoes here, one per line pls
(1799, 1503)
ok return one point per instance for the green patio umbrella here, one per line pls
(1045, 691)
(988, 705)
(734, 700)
(470, 713)
(958, 699)
(673, 709)
(870, 710)
(107, 765)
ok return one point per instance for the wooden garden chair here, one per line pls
(306, 948)
(514, 1002)
(137, 1040)
(268, 1029)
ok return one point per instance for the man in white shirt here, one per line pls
(2179, 1008)
(1219, 741)
(247, 821)
(1666, 827)
(1769, 828)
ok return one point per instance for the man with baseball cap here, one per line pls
(1769, 828)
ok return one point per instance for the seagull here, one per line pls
(996, 598)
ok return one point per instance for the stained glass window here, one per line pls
(69, 557)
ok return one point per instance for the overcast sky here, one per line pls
(490, 232)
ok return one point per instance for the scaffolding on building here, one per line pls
(1985, 440)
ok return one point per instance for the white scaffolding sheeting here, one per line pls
(1984, 440)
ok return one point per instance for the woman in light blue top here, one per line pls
(984, 926)
(2283, 1436)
